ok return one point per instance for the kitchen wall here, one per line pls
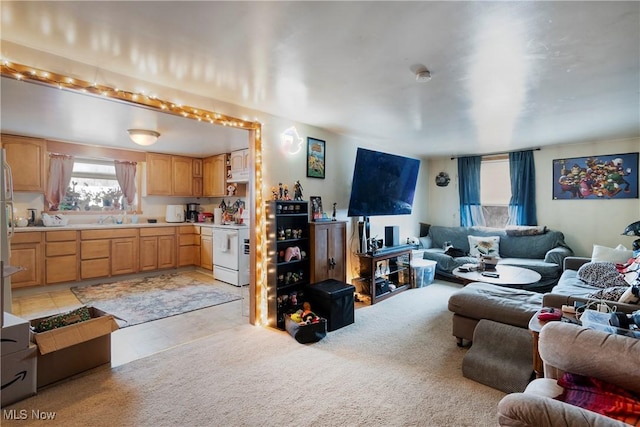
(583, 222)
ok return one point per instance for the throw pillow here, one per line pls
(619, 254)
(613, 293)
(601, 275)
(484, 246)
(525, 230)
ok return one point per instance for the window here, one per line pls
(93, 187)
(495, 190)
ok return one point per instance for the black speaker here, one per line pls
(392, 235)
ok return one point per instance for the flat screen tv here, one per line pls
(383, 184)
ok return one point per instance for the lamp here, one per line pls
(633, 229)
(143, 137)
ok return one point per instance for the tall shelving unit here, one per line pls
(287, 229)
(385, 274)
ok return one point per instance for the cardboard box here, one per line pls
(15, 334)
(69, 350)
(19, 373)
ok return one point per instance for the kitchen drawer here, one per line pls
(28, 237)
(95, 268)
(109, 233)
(93, 249)
(189, 240)
(206, 231)
(60, 248)
(60, 236)
(188, 229)
(157, 231)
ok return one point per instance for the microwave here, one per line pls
(175, 213)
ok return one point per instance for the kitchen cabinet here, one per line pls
(197, 177)
(157, 248)
(27, 158)
(214, 176)
(108, 252)
(26, 252)
(188, 245)
(159, 174)
(181, 176)
(61, 256)
(239, 165)
(206, 248)
(328, 251)
(288, 259)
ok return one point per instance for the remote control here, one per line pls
(488, 274)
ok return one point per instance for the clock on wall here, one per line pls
(442, 179)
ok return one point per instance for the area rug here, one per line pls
(142, 300)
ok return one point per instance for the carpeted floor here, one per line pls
(397, 365)
(142, 300)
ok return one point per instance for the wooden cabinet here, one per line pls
(61, 256)
(197, 177)
(108, 252)
(328, 251)
(27, 158)
(288, 259)
(159, 174)
(384, 274)
(157, 248)
(26, 252)
(188, 245)
(206, 248)
(169, 175)
(239, 165)
(214, 176)
(182, 176)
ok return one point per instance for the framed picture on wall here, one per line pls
(316, 207)
(315, 158)
(611, 176)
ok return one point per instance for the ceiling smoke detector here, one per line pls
(423, 76)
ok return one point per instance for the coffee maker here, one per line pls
(192, 212)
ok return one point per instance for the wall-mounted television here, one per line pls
(383, 184)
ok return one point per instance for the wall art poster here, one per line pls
(315, 158)
(611, 176)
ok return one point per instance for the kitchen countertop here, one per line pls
(128, 225)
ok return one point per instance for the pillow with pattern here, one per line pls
(601, 274)
(484, 245)
(613, 293)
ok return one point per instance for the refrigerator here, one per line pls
(6, 231)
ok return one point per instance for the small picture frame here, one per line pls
(316, 158)
(316, 207)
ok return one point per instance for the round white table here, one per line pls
(508, 275)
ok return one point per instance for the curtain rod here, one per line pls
(498, 153)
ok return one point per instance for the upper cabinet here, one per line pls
(214, 175)
(239, 162)
(27, 158)
(169, 175)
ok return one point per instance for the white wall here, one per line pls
(583, 222)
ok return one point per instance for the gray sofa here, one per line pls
(543, 252)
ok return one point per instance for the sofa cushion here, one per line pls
(484, 246)
(618, 255)
(601, 275)
(445, 262)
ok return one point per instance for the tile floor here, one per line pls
(138, 341)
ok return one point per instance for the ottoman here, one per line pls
(478, 301)
(333, 300)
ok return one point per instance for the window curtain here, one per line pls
(126, 176)
(469, 189)
(522, 206)
(60, 170)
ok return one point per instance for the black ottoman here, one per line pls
(333, 300)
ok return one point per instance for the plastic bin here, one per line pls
(424, 271)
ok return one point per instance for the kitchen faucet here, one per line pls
(102, 220)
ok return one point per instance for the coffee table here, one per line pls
(509, 275)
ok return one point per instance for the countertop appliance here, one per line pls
(193, 209)
(175, 213)
(231, 254)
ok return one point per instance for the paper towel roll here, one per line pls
(217, 216)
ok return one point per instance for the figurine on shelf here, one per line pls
(280, 191)
(297, 193)
(333, 215)
(231, 190)
(274, 193)
(286, 193)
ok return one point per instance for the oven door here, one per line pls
(225, 248)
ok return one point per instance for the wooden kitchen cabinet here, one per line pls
(124, 256)
(159, 168)
(328, 251)
(157, 248)
(108, 252)
(26, 252)
(27, 158)
(61, 256)
(214, 176)
(182, 176)
(197, 177)
(188, 245)
(206, 248)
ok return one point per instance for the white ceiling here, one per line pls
(505, 75)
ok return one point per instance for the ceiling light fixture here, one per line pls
(143, 137)
(423, 76)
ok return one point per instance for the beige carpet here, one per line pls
(397, 365)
